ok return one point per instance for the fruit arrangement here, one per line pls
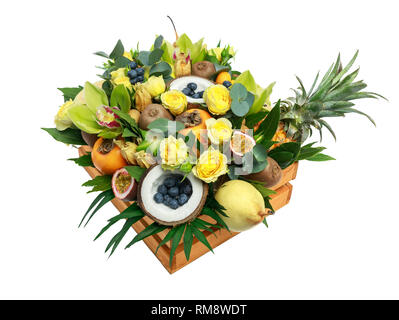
(192, 143)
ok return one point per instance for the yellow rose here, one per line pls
(155, 86)
(128, 55)
(62, 120)
(210, 165)
(175, 101)
(219, 130)
(174, 152)
(119, 77)
(217, 98)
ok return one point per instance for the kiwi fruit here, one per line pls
(89, 138)
(153, 112)
(270, 176)
(203, 69)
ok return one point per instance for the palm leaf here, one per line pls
(175, 242)
(152, 229)
(100, 201)
(188, 241)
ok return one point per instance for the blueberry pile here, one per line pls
(135, 74)
(174, 192)
(190, 91)
(227, 84)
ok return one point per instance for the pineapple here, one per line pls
(331, 98)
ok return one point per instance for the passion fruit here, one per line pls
(107, 156)
(241, 143)
(124, 186)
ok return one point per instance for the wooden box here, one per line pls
(280, 199)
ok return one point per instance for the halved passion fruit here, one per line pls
(241, 143)
(124, 186)
(150, 189)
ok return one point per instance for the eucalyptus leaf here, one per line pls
(155, 56)
(118, 50)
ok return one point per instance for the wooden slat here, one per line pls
(281, 198)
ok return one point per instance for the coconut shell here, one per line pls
(189, 218)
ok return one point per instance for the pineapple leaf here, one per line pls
(352, 110)
(325, 124)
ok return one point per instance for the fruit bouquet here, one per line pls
(191, 144)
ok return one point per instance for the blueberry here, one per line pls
(133, 81)
(140, 71)
(158, 197)
(140, 78)
(162, 189)
(227, 84)
(133, 65)
(201, 94)
(186, 91)
(196, 96)
(192, 86)
(170, 182)
(187, 189)
(132, 74)
(183, 198)
(173, 204)
(173, 192)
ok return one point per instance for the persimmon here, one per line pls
(194, 120)
(107, 156)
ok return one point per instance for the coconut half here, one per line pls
(181, 83)
(162, 214)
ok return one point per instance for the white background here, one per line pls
(338, 237)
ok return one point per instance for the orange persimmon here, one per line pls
(107, 156)
(194, 119)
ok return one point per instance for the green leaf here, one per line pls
(99, 183)
(240, 109)
(200, 236)
(309, 152)
(152, 229)
(133, 212)
(238, 92)
(259, 152)
(120, 98)
(144, 57)
(70, 93)
(68, 136)
(286, 154)
(118, 51)
(168, 236)
(188, 241)
(261, 99)
(116, 240)
(320, 157)
(175, 242)
(100, 201)
(83, 161)
(247, 80)
(155, 56)
(158, 42)
(265, 223)
(269, 126)
(209, 212)
(95, 97)
(122, 62)
(253, 119)
(101, 54)
(166, 125)
(161, 69)
(136, 172)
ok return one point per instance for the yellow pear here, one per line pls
(244, 205)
